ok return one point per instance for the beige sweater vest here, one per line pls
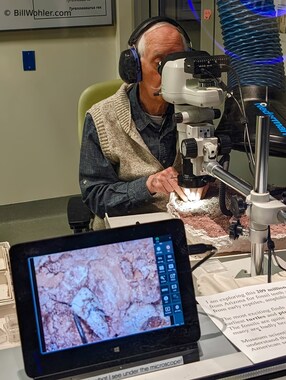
(123, 145)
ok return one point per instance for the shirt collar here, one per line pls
(141, 119)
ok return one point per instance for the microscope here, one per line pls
(192, 82)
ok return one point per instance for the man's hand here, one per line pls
(165, 182)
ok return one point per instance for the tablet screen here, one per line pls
(104, 300)
(90, 295)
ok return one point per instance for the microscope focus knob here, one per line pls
(235, 230)
(189, 148)
(237, 206)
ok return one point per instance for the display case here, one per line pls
(6, 291)
(9, 330)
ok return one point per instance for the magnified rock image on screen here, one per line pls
(98, 293)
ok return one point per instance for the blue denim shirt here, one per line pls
(101, 188)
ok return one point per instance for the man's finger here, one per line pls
(181, 193)
(205, 190)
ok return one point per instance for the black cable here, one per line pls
(250, 156)
(271, 249)
(246, 138)
(208, 248)
(277, 262)
(270, 245)
(241, 107)
(195, 249)
(224, 161)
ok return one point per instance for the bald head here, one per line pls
(154, 45)
(145, 39)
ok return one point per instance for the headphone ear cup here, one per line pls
(130, 66)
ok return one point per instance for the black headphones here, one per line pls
(129, 62)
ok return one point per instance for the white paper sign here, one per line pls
(253, 318)
(33, 14)
(141, 369)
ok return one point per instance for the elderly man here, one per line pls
(129, 160)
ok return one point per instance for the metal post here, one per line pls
(258, 232)
(261, 154)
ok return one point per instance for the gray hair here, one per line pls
(141, 43)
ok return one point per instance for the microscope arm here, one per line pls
(214, 169)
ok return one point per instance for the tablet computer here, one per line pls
(101, 301)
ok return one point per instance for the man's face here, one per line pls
(159, 43)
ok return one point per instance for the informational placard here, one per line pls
(253, 318)
(39, 14)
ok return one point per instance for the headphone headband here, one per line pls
(129, 63)
(147, 24)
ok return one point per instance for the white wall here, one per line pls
(39, 151)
